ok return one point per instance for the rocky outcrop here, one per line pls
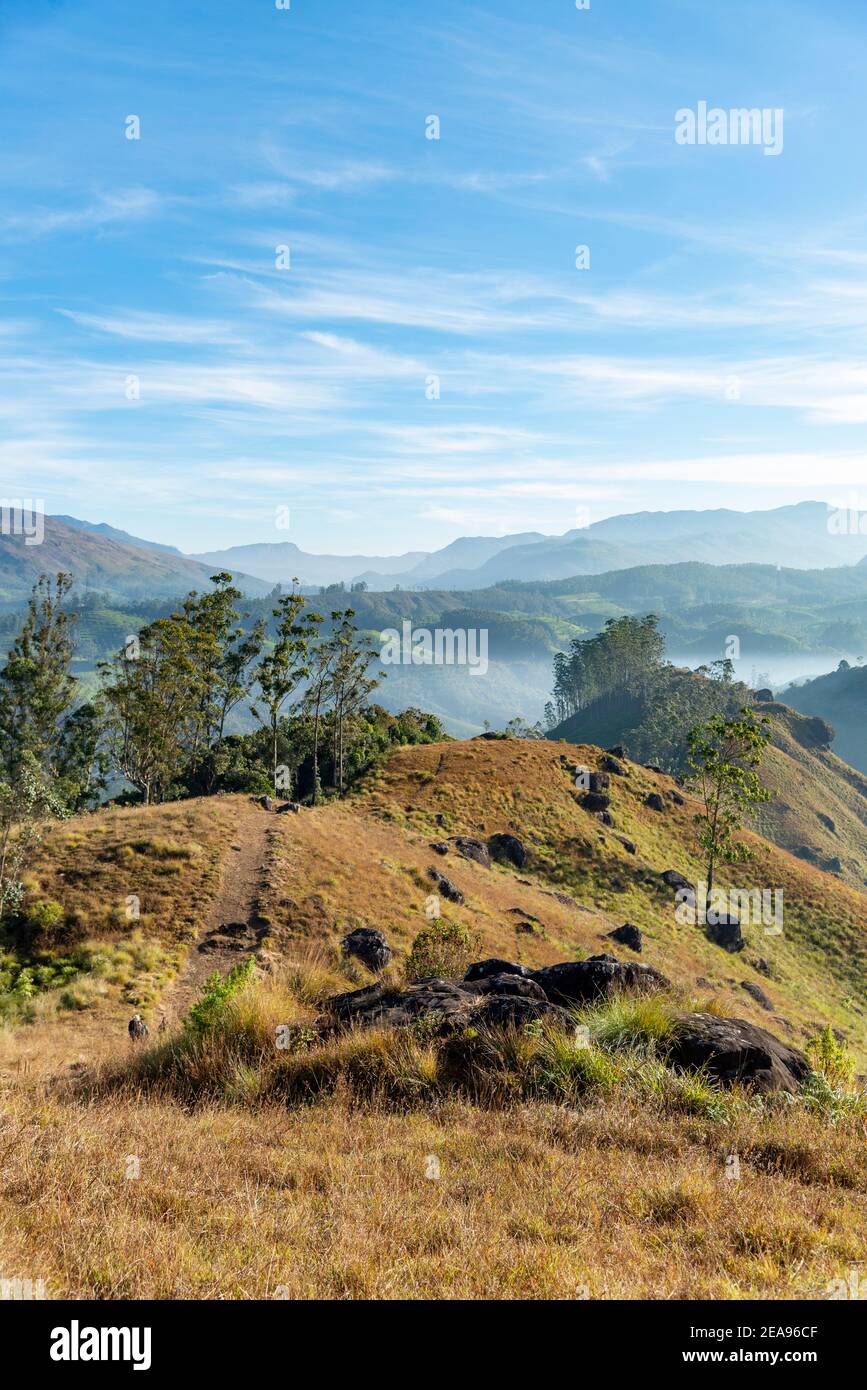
(599, 977)
(448, 1006)
(654, 802)
(369, 946)
(731, 1050)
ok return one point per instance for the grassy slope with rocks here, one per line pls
(309, 1170)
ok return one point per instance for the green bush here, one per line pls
(443, 948)
(219, 990)
(831, 1059)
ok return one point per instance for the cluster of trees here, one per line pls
(617, 687)
(160, 717)
(167, 696)
(619, 659)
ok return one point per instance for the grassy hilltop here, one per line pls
(366, 1165)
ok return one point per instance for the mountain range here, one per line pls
(101, 556)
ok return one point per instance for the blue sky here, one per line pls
(712, 354)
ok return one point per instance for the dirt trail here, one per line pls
(232, 930)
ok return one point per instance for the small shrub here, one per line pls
(443, 948)
(43, 916)
(831, 1059)
(219, 990)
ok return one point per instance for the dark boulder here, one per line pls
(476, 850)
(600, 977)
(594, 801)
(677, 880)
(482, 969)
(508, 849)
(629, 845)
(606, 818)
(764, 696)
(627, 935)
(446, 887)
(611, 764)
(514, 1011)
(732, 1050)
(725, 931)
(654, 801)
(675, 797)
(598, 782)
(293, 806)
(439, 847)
(618, 751)
(369, 946)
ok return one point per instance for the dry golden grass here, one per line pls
(332, 1201)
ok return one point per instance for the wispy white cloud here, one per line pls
(133, 204)
(141, 326)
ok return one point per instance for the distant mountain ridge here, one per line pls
(130, 572)
(102, 556)
(798, 534)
